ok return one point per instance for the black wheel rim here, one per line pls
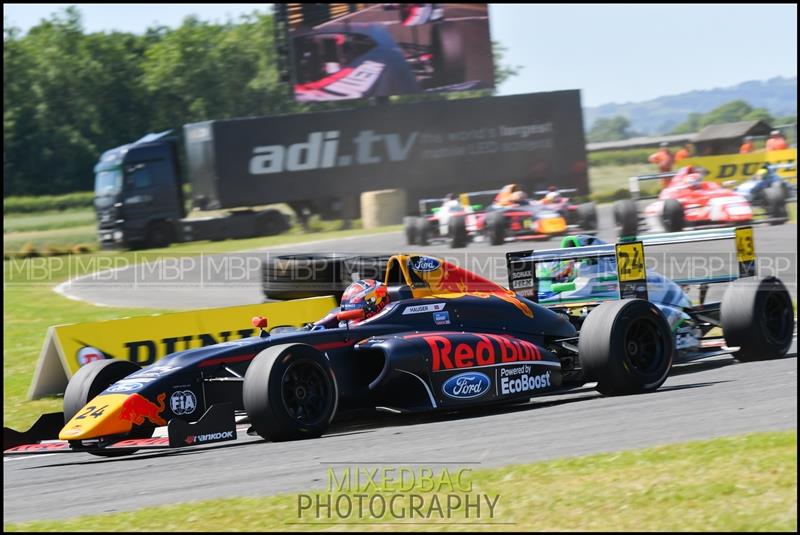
(305, 392)
(777, 318)
(644, 347)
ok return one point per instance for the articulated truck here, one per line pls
(321, 162)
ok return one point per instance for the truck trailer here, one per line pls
(320, 162)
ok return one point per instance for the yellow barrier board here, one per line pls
(145, 339)
(740, 167)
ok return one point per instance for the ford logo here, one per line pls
(466, 385)
(425, 263)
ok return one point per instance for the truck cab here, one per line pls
(138, 197)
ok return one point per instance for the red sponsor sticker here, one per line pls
(141, 443)
(39, 448)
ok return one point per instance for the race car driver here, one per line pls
(368, 295)
(504, 197)
(560, 271)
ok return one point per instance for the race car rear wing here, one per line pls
(539, 275)
(633, 184)
(543, 192)
(478, 200)
(428, 206)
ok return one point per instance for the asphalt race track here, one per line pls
(705, 399)
(235, 278)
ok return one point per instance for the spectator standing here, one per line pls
(683, 152)
(776, 141)
(663, 158)
(747, 145)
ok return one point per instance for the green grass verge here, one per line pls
(47, 220)
(43, 203)
(52, 238)
(740, 483)
(29, 308)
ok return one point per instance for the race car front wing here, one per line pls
(217, 424)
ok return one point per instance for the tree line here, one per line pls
(618, 128)
(69, 95)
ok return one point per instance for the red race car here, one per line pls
(686, 200)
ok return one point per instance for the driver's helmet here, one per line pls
(551, 197)
(695, 180)
(368, 295)
(503, 197)
(762, 174)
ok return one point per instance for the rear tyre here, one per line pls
(587, 216)
(672, 216)
(290, 393)
(775, 200)
(496, 227)
(423, 231)
(272, 222)
(626, 217)
(457, 227)
(757, 317)
(409, 224)
(89, 381)
(626, 346)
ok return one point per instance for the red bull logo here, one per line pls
(138, 408)
(444, 278)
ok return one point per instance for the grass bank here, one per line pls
(740, 483)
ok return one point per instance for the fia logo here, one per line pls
(183, 402)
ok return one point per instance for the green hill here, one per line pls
(661, 115)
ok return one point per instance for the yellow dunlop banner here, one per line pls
(740, 167)
(145, 339)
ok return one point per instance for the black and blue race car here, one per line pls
(448, 339)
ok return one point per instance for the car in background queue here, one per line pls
(687, 200)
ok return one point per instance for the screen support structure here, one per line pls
(283, 46)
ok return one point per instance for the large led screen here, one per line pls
(349, 51)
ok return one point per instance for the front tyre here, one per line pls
(673, 216)
(457, 227)
(626, 217)
(757, 317)
(587, 216)
(423, 231)
(290, 392)
(775, 200)
(626, 346)
(410, 227)
(496, 227)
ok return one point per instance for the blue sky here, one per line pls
(613, 53)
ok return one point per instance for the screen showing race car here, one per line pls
(349, 51)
